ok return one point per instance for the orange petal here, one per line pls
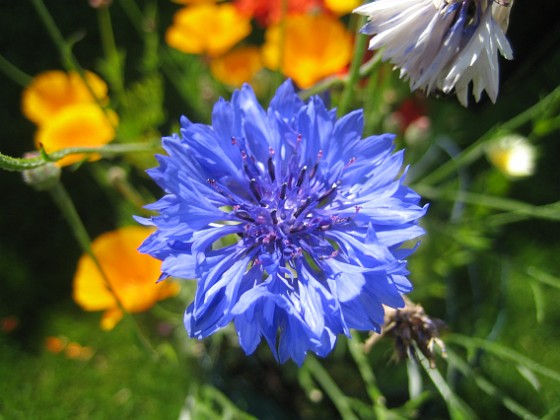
(207, 28)
(111, 318)
(81, 125)
(308, 48)
(52, 91)
(237, 66)
(131, 275)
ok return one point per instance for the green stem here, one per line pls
(134, 15)
(116, 178)
(473, 152)
(354, 72)
(9, 163)
(548, 211)
(329, 386)
(375, 394)
(332, 81)
(502, 352)
(110, 48)
(458, 409)
(65, 48)
(56, 35)
(66, 206)
(14, 73)
(489, 388)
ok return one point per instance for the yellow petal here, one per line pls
(131, 275)
(310, 48)
(111, 318)
(81, 125)
(342, 7)
(237, 66)
(52, 91)
(207, 28)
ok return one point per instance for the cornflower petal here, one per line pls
(442, 45)
(289, 221)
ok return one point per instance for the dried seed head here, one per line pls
(413, 330)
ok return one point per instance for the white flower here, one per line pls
(513, 155)
(441, 45)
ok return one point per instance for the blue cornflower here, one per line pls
(442, 45)
(289, 221)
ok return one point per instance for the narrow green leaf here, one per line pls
(458, 409)
(544, 277)
(326, 382)
(548, 211)
(489, 388)
(539, 301)
(503, 352)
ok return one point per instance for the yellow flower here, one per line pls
(206, 28)
(314, 47)
(78, 125)
(51, 91)
(342, 7)
(237, 66)
(67, 111)
(132, 276)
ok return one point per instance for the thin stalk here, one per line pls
(375, 394)
(549, 211)
(473, 152)
(110, 48)
(66, 206)
(56, 35)
(354, 72)
(9, 163)
(329, 386)
(332, 81)
(458, 409)
(18, 76)
(489, 388)
(503, 352)
(134, 15)
(116, 178)
(543, 277)
(64, 47)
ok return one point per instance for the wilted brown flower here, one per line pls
(413, 330)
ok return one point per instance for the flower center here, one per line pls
(287, 209)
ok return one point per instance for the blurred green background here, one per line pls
(484, 276)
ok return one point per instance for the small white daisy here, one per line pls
(513, 155)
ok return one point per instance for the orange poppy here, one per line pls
(131, 276)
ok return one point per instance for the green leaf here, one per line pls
(539, 301)
(458, 409)
(488, 387)
(503, 352)
(544, 277)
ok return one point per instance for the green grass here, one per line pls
(121, 380)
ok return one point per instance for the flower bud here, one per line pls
(42, 178)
